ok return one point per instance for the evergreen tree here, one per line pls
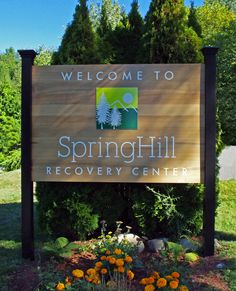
(192, 20)
(115, 117)
(168, 38)
(78, 44)
(103, 111)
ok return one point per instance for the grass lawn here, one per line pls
(10, 227)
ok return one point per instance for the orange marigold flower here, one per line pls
(88, 278)
(174, 284)
(68, 281)
(118, 251)
(104, 271)
(143, 281)
(77, 273)
(108, 252)
(183, 288)
(60, 286)
(155, 275)
(161, 282)
(128, 259)
(119, 262)
(98, 264)
(150, 280)
(169, 277)
(130, 275)
(103, 258)
(121, 269)
(91, 271)
(175, 275)
(112, 260)
(149, 287)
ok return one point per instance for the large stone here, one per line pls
(133, 239)
(189, 244)
(156, 244)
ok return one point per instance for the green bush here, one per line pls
(65, 211)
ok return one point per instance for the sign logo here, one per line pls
(117, 108)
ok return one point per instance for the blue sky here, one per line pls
(28, 24)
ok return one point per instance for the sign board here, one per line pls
(117, 123)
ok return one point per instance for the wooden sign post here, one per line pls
(27, 212)
(118, 123)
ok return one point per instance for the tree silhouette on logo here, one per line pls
(115, 120)
(103, 111)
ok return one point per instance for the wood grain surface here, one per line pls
(170, 107)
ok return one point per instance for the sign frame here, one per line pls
(209, 152)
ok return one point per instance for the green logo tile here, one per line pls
(117, 108)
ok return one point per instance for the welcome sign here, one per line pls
(117, 123)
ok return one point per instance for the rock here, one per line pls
(133, 239)
(156, 244)
(220, 266)
(188, 244)
(217, 244)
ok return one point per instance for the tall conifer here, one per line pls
(78, 44)
(168, 38)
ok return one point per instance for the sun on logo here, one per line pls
(117, 108)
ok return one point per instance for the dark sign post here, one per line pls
(210, 149)
(26, 180)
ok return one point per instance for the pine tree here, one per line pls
(103, 111)
(192, 20)
(168, 38)
(78, 44)
(115, 120)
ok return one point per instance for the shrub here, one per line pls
(63, 211)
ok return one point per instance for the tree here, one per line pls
(78, 44)
(231, 4)
(213, 18)
(192, 20)
(219, 29)
(115, 117)
(168, 39)
(103, 114)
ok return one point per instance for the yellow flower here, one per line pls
(60, 286)
(68, 281)
(183, 288)
(175, 275)
(143, 281)
(161, 282)
(150, 280)
(119, 262)
(130, 275)
(174, 284)
(104, 271)
(128, 259)
(112, 260)
(91, 271)
(155, 275)
(78, 273)
(149, 288)
(103, 258)
(118, 251)
(121, 269)
(98, 264)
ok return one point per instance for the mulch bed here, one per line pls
(204, 273)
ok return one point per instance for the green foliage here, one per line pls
(78, 44)
(191, 257)
(167, 35)
(171, 210)
(192, 20)
(44, 57)
(65, 211)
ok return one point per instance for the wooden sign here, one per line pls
(118, 123)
